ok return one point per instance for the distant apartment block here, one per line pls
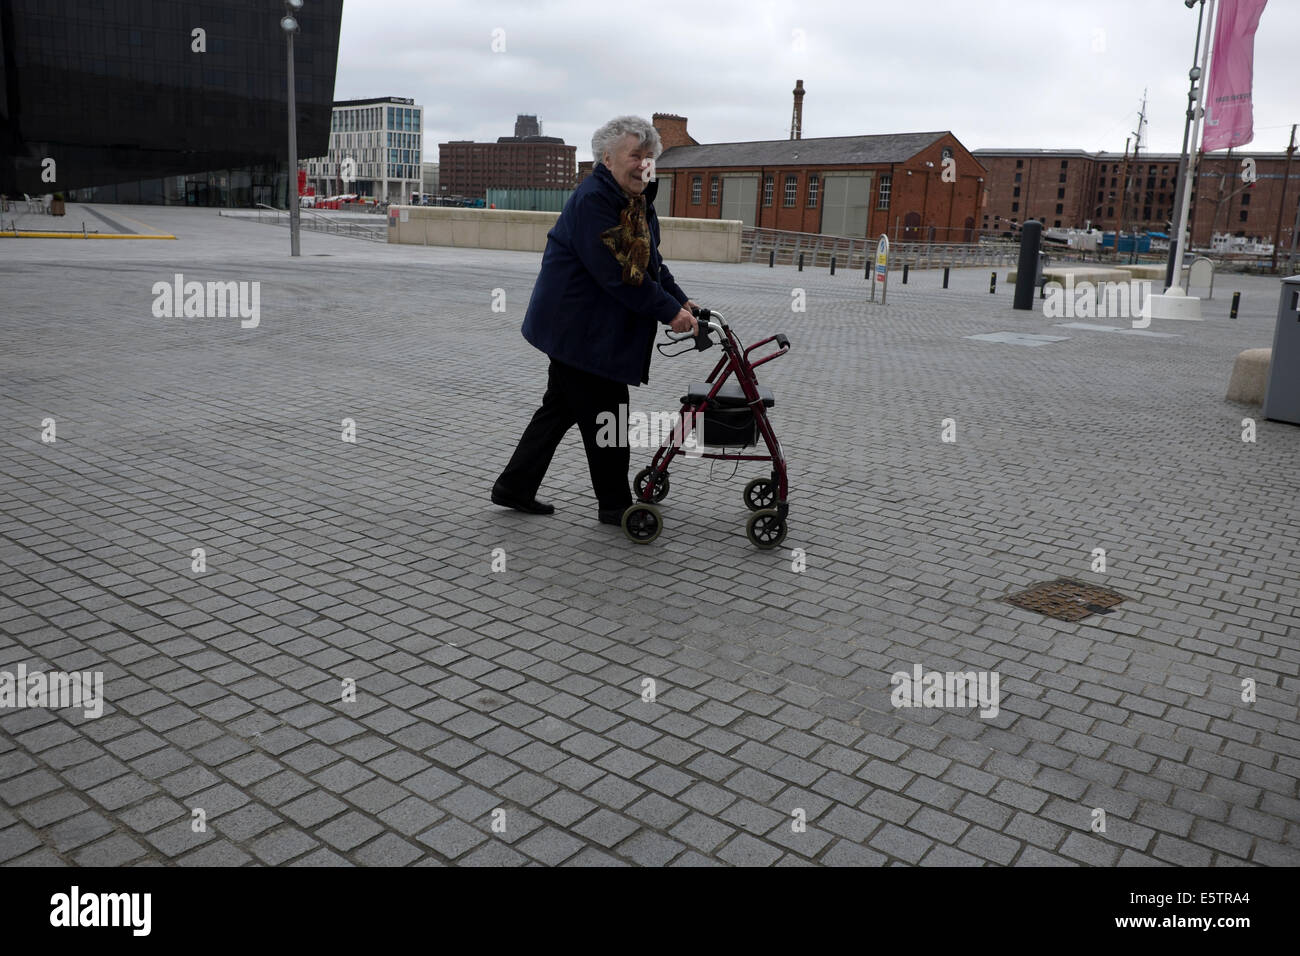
(526, 160)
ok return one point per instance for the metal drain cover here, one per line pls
(1066, 599)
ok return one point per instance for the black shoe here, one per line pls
(612, 515)
(533, 507)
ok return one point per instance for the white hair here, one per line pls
(608, 136)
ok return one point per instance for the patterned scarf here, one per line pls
(630, 241)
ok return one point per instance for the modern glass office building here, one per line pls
(160, 101)
(383, 140)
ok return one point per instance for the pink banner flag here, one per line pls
(1229, 114)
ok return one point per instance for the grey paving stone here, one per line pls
(117, 850)
(17, 840)
(807, 842)
(590, 856)
(432, 783)
(988, 845)
(470, 803)
(758, 786)
(564, 808)
(939, 826)
(1036, 830)
(890, 806)
(941, 855)
(411, 816)
(313, 808)
(842, 789)
(702, 832)
(647, 848)
(250, 769)
(283, 845)
(606, 828)
(284, 786)
(1090, 849)
(215, 853)
(152, 814)
(47, 810)
(751, 816)
(18, 790)
(846, 853)
(494, 854)
(452, 838)
(1035, 856)
(574, 773)
(121, 792)
(550, 845)
(376, 795)
(1180, 852)
(1268, 853)
(78, 831)
(178, 837)
(247, 822)
(348, 831)
(900, 843)
(1022, 797)
(745, 850)
(614, 791)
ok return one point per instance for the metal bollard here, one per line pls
(801, 262)
(771, 259)
(1030, 266)
(832, 265)
(866, 269)
(904, 273)
(1236, 301)
(945, 277)
(993, 282)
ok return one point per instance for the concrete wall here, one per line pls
(699, 240)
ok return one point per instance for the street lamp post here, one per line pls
(289, 24)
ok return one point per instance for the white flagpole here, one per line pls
(1184, 240)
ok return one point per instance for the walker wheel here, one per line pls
(759, 494)
(660, 491)
(642, 522)
(765, 529)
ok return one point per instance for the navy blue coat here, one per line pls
(581, 312)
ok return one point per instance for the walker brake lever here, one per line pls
(702, 340)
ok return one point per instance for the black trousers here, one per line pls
(573, 397)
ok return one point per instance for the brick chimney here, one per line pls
(796, 121)
(672, 130)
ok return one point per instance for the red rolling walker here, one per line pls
(728, 409)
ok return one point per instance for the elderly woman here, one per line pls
(602, 293)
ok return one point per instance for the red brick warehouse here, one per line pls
(910, 186)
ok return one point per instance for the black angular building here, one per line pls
(160, 101)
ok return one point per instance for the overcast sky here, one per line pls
(998, 73)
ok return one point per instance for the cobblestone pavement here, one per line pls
(499, 715)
